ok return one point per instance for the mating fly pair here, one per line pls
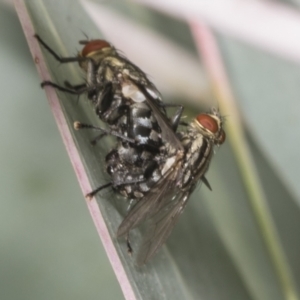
(152, 162)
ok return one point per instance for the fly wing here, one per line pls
(167, 132)
(161, 227)
(147, 206)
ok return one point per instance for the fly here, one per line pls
(120, 92)
(179, 171)
(163, 185)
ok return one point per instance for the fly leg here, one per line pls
(74, 87)
(57, 57)
(74, 91)
(95, 140)
(113, 184)
(78, 125)
(90, 195)
(128, 244)
(105, 107)
(175, 120)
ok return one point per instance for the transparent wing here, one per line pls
(161, 227)
(147, 206)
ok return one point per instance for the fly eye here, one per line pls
(208, 122)
(95, 45)
(222, 137)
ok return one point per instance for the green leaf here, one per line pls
(217, 250)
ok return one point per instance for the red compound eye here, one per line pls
(94, 45)
(222, 137)
(208, 122)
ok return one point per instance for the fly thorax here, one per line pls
(196, 151)
(109, 69)
(114, 62)
(196, 144)
(99, 56)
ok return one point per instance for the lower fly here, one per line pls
(163, 184)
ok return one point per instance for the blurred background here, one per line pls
(49, 246)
